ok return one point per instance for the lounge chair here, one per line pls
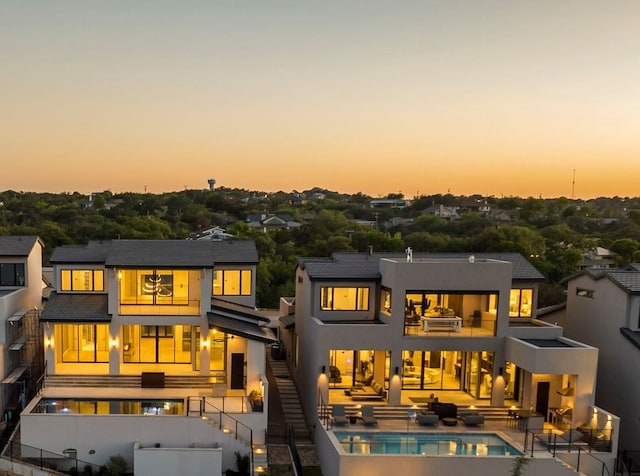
(368, 417)
(427, 418)
(339, 415)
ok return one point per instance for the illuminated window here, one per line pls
(520, 302)
(85, 342)
(151, 286)
(344, 299)
(82, 280)
(386, 300)
(12, 274)
(158, 344)
(232, 282)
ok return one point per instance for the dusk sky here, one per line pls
(503, 98)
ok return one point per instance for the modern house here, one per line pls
(392, 329)
(152, 343)
(603, 310)
(20, 304)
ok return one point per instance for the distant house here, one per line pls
(599, 258)
(504, 215)
(272, 221)
(215, 233)
(448, 213)
(472, 204)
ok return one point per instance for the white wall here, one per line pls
(173, 461)
(111, 435)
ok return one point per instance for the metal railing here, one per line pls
(15, 451)
(582, 442)
(233, 424)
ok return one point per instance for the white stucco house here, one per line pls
(375, 328)
(21, 288)
(152, 349)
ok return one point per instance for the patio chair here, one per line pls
(339, 415)
(368, 417)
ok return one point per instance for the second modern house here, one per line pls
(153, 344)
(396, 329)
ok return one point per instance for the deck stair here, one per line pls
(132, 381)
(390, 412)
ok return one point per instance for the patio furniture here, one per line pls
(473, 420)
(448, 323)
(339, 415)
(427, 418)
(449, 421)
(373, 392)
(368, 417)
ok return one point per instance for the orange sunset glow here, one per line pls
(419, 97)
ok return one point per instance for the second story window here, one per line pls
(82, 280)
(232, 282)
(344, 299)
(154, 286)
(12, 274)
(386, 300)
(520, 302)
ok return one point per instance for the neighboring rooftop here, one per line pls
(367, 265)
(18, 245)
(158, 253)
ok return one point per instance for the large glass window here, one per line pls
(12, 274)
(431, 370)
(85, 342)
(232, 282)
(157, 344)
(82, 280)
(520, 302)
(344, 299)
(153, 286)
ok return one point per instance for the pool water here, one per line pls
(443, 444)
(110, 406)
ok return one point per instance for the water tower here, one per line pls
(212, 183)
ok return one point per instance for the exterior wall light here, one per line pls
(48, 342)
(113, 342)
(204, 344)
(323, 370)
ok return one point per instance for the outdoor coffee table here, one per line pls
(449, 421)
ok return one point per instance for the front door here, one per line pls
(542, 398)
(237, 371)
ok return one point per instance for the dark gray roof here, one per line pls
(17, 245)
(237, 310)
(627, 279)
(234, 252)
(76, 308)
(241, 328)
(158, 253)
(366, 266)
(95, 252)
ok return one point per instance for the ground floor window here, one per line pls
(159, 344)
(350, 368)
(84, 342)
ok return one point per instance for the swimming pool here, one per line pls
(87, 406)
(443, 444)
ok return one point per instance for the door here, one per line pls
(237, 371)
(542, 398)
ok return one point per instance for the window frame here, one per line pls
(222, 282)
(328, 302)
(67, 280)
(14, 281)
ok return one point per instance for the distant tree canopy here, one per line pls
(553, 234)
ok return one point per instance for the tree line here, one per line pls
(554, 234)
